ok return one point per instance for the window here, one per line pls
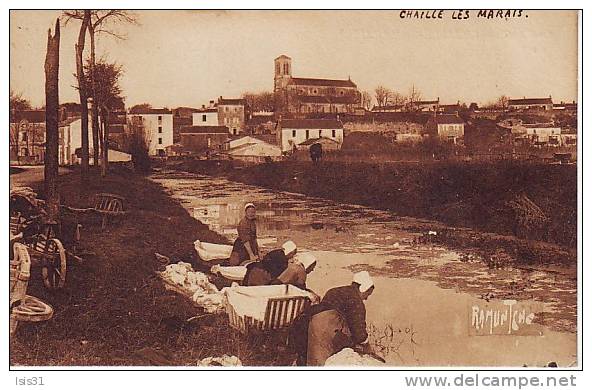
(160, 141)
(307, 134)
(159, 119)
(333, 133)
(204, 118)
(293, 133)
(160, 129)
(226, 109)
(277, 68)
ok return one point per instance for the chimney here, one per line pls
(203, 106)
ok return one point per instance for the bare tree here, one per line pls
(502, 102)
(108, 98)
(18, 102)
(366, 100)
(82, 91)
(382, 95)
(52, 61)
(101, 22)
(397, 98)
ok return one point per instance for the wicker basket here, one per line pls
(280, 311)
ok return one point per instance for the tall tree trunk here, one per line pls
(83, 96)
(105, 161)
(95, 109)
(52, 60)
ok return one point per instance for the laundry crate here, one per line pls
(264, 308)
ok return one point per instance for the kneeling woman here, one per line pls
(338, 322)
(272, 265)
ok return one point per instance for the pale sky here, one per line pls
(186, 58)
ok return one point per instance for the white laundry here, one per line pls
(205, 294)
(349, 357)
(224, 361)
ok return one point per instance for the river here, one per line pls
(430, 307)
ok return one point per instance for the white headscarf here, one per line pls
(306, 259)
(289, 247)
(364, 280)
(249, 205)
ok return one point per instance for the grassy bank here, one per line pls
(534, 206)
(113, 309)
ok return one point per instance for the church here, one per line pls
(299, 96)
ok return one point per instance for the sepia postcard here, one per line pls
(305, 189)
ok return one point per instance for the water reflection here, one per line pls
(349, 237)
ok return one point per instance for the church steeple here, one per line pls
(283, 72)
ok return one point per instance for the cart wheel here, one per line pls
(32, 309)
(53, 261)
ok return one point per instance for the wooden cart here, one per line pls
(24, 307)
(42, 238)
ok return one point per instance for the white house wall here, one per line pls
(151, 124)
(290, 137)
(211, 118)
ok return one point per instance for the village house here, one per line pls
(206, 117)
(231, 113)
(260, 123)
(27, 136)
(424, 105)
(389, 108)
(446, 126)
(157, 125)
(182, 116)
(255, 148)
(199, 139)
(292, 132)
(296, 95)
(543, 133)
(572, 107)
(530, 104)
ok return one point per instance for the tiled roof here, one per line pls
(328, 99)
(311, 124)
(203, 130)
(426, 102)
(231, 102)
(527, 101)
(447, 119)
(322, 82)
(150, 111)
(200, 110)
(31, 116)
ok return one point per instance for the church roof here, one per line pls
(311, 124)
(322, 82)
(328, 99)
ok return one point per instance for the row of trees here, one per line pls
(387, 97)
(98, 80)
